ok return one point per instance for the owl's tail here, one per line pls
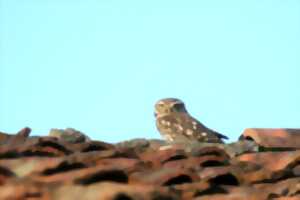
(219, 135)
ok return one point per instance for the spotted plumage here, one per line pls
(176, 124)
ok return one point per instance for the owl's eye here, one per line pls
(178, 106)
(160, 105)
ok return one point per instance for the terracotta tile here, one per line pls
(112, 191)
(157, 158)
(239, 175)
(197, 162)
(19, 138)
(297, 197)
(44, 146)
(288, 187)
(164, 177)
(273, 161)
(210, 150)
(26, 190)
(274, 138)
(47, 168)
(4, 138)
(89, 146)
(5, 175)
(237, 193)
(220, 176)
(191, 190)
(114, 172)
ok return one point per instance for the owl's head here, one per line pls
(169, 105)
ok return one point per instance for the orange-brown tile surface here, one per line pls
(264, 165)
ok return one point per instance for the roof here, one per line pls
(263, 164)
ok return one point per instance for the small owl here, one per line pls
(175, 124)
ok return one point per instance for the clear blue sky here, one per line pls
(99, 66)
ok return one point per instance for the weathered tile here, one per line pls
(48, 168)
(274, 138)
(273, 161)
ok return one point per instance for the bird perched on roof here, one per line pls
(175, 124)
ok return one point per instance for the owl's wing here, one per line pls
(196, 129)
(171, 129)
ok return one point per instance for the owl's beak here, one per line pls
(155, 114)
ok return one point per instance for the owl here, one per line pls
(175, 124)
